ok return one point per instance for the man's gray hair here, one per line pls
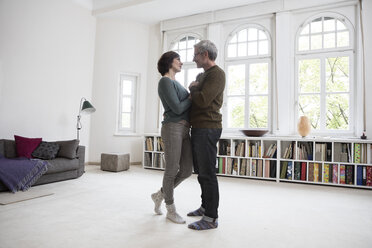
(207, 46)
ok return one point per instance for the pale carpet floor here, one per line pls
(106, 209)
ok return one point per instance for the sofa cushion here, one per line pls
(68, 148)
(10, 149)
(46, 150)
(25, 146)
(2, 148)
(61, 164)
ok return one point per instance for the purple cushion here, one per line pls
(25, 146)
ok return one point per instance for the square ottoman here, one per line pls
(114, 162)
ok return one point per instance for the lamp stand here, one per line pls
(78, 126)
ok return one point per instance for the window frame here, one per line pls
(342, 18)
(134, 77)
(247, 60)
(322, 54)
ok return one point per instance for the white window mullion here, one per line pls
(323, 112)
(247, 96)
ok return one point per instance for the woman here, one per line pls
(174, 133)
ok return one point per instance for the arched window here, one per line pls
(185, 48)
(324, 74)
(248, 70)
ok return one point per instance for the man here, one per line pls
(206, 121)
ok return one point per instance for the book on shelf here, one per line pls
(243, 167)
(328, 152)
(267, 168)
(273, 168)
(335, 173)
(259, 168)
(330, 173)
(349, 174)
(316, 172)
(369, 176)
(254, 168)
(356, 153)
(303, 171)
(283, 170)
(289, 170)
(326, 173)
(229, 166)
(220, 165)
(311, 172)
(235, 168)
(342, 174)
(360, 175)
(364, 153)
(297, 171)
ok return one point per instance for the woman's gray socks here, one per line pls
(158, 199)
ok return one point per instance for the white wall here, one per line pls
(153, 76)
(121, 46)
(367, 10)
(46, 66)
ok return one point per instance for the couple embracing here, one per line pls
(200, 111)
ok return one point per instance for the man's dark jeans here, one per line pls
(204, 149)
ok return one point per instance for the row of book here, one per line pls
(224, 148)
(159, 161)
(364, 175)
(271, 151)
(315, 172)
(160, 144)
(239, 148)
(147, 159)
(343, 153)
(247, 167)
(289, 151)
(253, 148)
(304, 151)
(362, 153)
(299, 170)
(149, 144)
(323, 151)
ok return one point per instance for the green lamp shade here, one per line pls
(87, 107)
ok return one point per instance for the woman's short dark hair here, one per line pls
(165, 61)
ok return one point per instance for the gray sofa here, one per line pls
(59, 169)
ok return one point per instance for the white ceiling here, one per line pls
(153, 11)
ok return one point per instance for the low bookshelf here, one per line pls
(325, 161)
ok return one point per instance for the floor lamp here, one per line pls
(85, 108)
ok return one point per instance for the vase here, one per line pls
(303, 126)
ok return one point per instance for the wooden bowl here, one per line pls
(254, 132)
